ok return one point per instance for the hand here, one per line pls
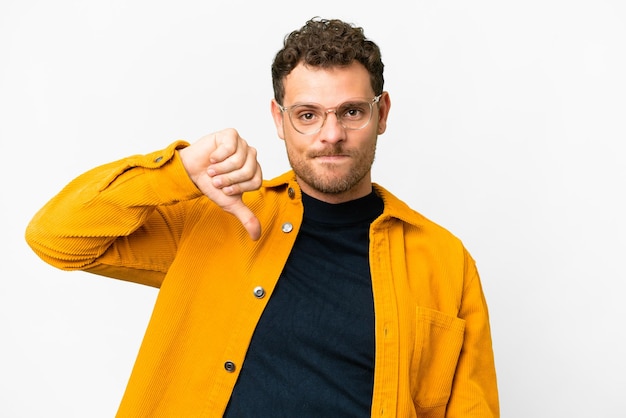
(223, 166)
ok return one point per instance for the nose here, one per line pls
(332, 131)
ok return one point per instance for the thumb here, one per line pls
(247, 218)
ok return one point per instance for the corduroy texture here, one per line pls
(141, 219)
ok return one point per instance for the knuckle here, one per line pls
(229, 147)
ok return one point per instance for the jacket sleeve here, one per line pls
(119, 220)
(474, 391)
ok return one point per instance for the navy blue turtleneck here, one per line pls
(312, 353)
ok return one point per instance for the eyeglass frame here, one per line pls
(326, 111)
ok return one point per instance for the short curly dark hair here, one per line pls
(326, 43)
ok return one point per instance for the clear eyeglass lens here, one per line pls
(309, 118)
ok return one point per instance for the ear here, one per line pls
(279, 119)
(384, 104)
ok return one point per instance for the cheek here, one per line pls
(293, 144)
(369, 138)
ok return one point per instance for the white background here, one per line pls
(507, 127)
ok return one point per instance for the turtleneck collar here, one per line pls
(364, 209)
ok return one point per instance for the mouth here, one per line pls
(330, 158)
(330, 154)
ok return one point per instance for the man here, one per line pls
(323, 296)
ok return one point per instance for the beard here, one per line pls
(330, 178)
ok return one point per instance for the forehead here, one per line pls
(327, 86)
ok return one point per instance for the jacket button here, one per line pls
(291, 192)
(259, 292)
(229, 366)
(287, 227)
(158, 159)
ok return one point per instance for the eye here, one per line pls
(354, 111)
(306, 114)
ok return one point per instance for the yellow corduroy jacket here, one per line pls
(143, 220)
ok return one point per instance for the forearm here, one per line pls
(113, 214)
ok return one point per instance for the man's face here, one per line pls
(334, 164)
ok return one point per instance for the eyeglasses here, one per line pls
(308, 118)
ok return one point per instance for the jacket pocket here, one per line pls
(438, 342)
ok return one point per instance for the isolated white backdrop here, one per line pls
(507, 127)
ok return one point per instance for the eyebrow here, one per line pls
(348, 101)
